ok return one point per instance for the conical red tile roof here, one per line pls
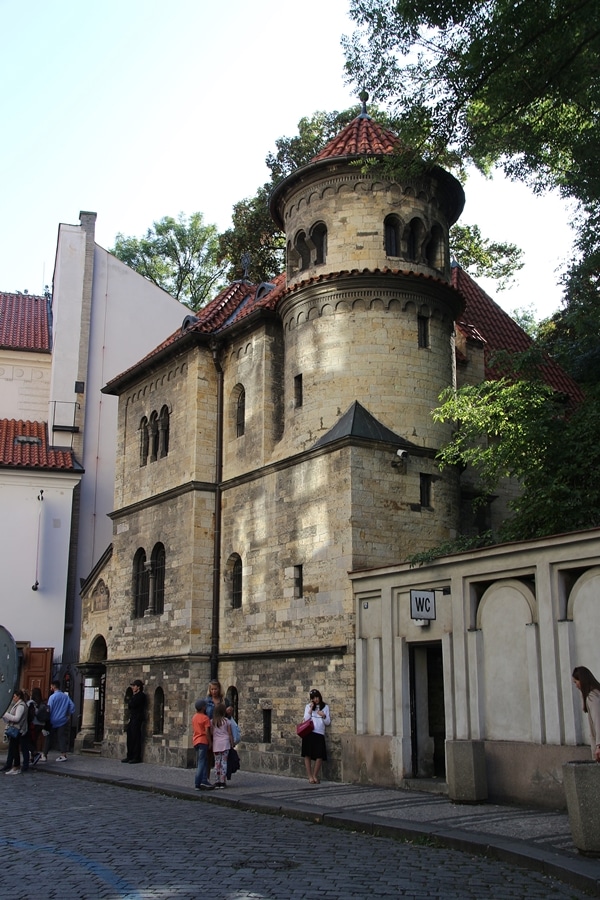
(362, 137)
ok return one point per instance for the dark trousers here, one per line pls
(14, 757)
(134, 740)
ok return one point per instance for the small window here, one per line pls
(144, 441)
(425, 482)
(236, 583)
(267, 733)
(391, 230)
(298, 585)
(154, 437)
(163, 432)
(414, 240)
(297, 391)
(240, 414)
(157, 580)
(423, 331)
(318, 236)
(158, 716)
(141, 581)
(303, 251)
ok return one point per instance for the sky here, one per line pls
(137, 109)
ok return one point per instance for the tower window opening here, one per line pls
(391, 230)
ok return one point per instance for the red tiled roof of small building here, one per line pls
(24, 322)
(483, 319)
(24, 445)
(362, 137)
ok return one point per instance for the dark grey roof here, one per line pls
(358, 422)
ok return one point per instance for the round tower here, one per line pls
(369, 313)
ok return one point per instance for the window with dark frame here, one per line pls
(298, 585)
(423, 331)
(158, 579)
(141, 583)
(236, 583)
(267, 728)
(425, 484)
(297, 391)
(391, 231)
(158, 717)
(144, 441)
(240, 414)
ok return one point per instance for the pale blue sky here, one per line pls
(137, 109)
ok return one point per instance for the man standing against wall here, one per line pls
(135, 726)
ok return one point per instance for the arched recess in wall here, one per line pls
(154, 436)
(435, 249)
(582, 609)
(233, 578)
(318, 238)
(140, 583)
(232, 694)
(158, 711)
(158, 560)
(98, 650)
(144, 441)
(302, 250)
(414, 234)
(238, 411)
(163, 432)
(508, 664)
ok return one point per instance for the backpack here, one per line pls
(42, 715)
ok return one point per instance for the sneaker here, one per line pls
(36, 759)
(206, 786)
(61, 759)
(13, 772)
(43, 758)
(125, 760)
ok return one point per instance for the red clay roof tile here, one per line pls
(24, 445)
(24, 322)
(483, 319)
(362, 137)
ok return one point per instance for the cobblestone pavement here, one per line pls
(64, 838)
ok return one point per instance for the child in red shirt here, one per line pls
(202, 740)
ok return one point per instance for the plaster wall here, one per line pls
(25, 385)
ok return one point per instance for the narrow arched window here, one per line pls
(318, 236)
(302, 250)
(163, 432)
(157, 600)
(158, 712)
(240, 414)
(236, 581)
(434, 251)
(154, 437)
(391, 230)
(414, 240)
(140, 583)
(144, 441)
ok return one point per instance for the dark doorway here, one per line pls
(427, 714)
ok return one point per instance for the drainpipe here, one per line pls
(214, 647)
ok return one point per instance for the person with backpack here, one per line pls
(41, 726)
(61, 709)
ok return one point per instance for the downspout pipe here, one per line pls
(216, 592)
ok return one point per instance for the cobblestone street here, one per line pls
(69, 839)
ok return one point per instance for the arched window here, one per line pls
(154, 437)
(158, 712)
(157, 580)
(140, 583)
(240, 413)
(144, 441)
(302, 250)
(391, 230)
(414, 240)
(318, 236)
(434, 251)
(235, 573)
(163, 432)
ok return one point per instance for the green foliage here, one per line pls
(500, 82)
(522, 429)
(253, 232)
(458, 545)
(178, 255)
(481, 257)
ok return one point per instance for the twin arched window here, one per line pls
(154, 436)
(148, 587)
(413, 243)
(308, 249)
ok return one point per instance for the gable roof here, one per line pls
(359, 422)
(24, 445)
(24, 322)
(484, 320)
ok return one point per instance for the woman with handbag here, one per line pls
(16, 719)
(313, 743)
(585, 681)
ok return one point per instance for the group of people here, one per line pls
(214, 731)
(34, 725)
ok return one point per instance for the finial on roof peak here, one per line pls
(363, 97)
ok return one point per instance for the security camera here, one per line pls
(402, 454)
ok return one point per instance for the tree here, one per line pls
(515, 84)
(481, 257)
(518, 427)
(178, 255)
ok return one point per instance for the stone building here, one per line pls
(277, 442)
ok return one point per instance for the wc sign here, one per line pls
(422, 604)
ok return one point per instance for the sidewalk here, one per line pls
(535, 839)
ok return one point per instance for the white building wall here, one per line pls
(24, 385)
(34, 546)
